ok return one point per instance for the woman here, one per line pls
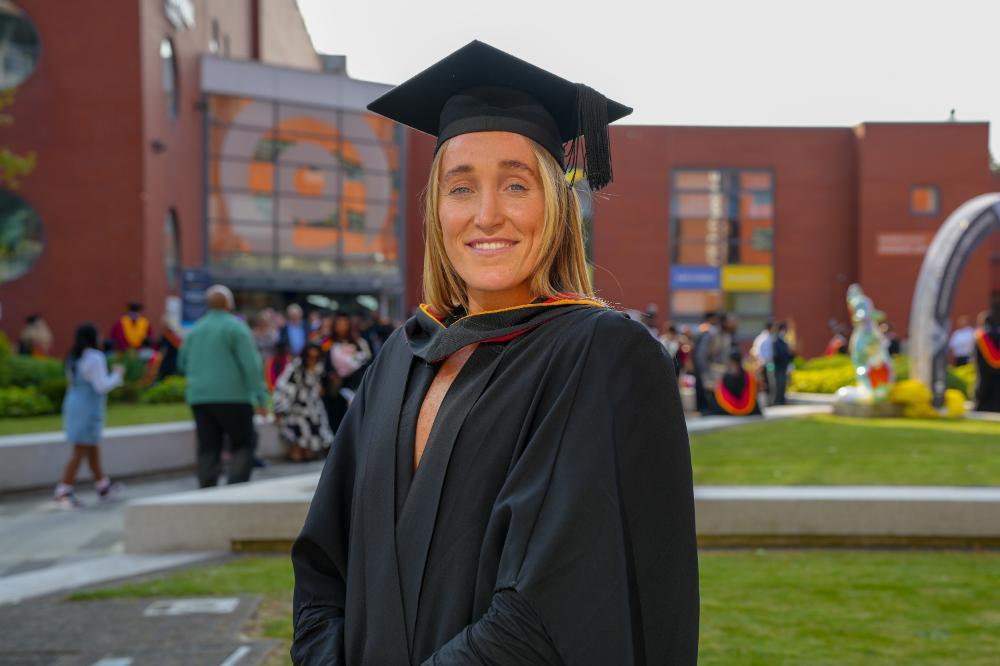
(987, 358)
(348, 355)
(298, 406)
(83, 410)
(512, 482)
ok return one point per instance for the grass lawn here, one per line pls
(832, 450)
(758, 607)
(118, 415)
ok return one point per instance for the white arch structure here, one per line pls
(930, 312)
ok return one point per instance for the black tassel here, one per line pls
(592, 112)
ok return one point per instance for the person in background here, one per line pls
(782, 360)
(295, 333)
(263, 336)
(889, 333)
(987, 355)
(83, 409)
(132, 330)
(171, 339)
(224, 382)
(962, 342)
(346, 361)
(313, 323)
(706, 347)
(762, 355)
(35, 338)
(736, 392)
(838, 342)
(276, 364)
(299, 409)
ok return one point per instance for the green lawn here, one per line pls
(758, 607)
(118, 415)
(831, 450)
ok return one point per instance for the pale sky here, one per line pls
(706, 62)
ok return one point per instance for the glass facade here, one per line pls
(18, 46)
(721, 245)
(21, 237)
(302, 189)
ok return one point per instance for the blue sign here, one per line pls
(194, 282)
(695, 277)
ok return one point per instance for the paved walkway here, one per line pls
(131, 632)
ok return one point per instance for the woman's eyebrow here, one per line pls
(515, 164)
(455, 170)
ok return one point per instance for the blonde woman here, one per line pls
(512, 482)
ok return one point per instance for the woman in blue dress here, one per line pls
(83, 409)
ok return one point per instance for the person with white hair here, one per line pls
(225, 380)
(295, 333)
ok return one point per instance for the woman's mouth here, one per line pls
(490, 247)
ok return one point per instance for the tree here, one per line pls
(12, 165)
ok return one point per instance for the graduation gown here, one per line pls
(550, 520)
(988, 370)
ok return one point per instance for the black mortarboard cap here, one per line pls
(479, 88)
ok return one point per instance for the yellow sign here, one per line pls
(747, 278)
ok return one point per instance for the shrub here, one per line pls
(54, 390)
(127, 392)
(824, 380)
(915, 399)
(27, 371)
(170, 390)
(135, 368)
(834, 361)
(967, 374)
(19, 401)
(954, 403)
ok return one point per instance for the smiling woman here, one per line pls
(512, 483)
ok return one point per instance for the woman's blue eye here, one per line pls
(461, 189)
(520, 186)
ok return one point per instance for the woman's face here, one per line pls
(312, 357)
(492, 210)
(342, 326)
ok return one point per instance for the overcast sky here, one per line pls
(718, 62)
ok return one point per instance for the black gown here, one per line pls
(987, 371)
(551, 518)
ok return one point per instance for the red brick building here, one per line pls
(175, 134)
(821, 208)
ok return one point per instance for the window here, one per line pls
(722, 244)
(924, 200)
(21, 240)
(302, 189)
(169, 74)
(18, 46)
(171, 249)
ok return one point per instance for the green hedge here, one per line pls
(19, 401)
(170, 390)
(826, 374)
(25, 371)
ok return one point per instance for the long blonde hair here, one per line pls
(562, 266)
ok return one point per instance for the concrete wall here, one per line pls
(37, 461)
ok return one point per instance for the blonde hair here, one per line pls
(562, 265)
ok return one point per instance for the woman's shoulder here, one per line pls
(604, 324)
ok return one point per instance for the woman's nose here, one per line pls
(489, 214)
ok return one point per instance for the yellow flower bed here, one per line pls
(915, 398)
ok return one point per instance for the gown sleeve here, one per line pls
(319, 554)
(599, 563)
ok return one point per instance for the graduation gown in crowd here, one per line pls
(550, 520)
(736, 394)
(988, 370)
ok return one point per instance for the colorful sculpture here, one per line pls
(869, 352)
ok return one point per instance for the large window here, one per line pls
(721, 244)
(18, 45)
(302, 189)
(21, 241)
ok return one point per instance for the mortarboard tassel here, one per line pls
(592, 111)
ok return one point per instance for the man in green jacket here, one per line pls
(224, 382)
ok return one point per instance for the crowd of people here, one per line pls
(306, 368)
